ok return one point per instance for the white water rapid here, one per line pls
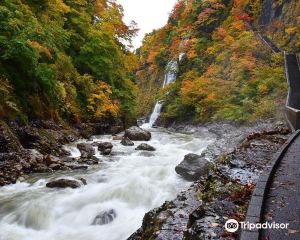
(130, 182)
(170, 76)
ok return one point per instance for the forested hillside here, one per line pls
(226, 71)
(65, 59)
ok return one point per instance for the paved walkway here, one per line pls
(282, 204)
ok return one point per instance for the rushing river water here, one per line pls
(130, 182)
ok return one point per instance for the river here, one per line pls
(130, 182)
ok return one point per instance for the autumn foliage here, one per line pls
(228, 72)
(66, 60)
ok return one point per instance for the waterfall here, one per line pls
(155, 114)
(170, 76)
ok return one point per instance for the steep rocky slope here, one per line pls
(226, 69)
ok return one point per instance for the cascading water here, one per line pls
(155, 114)
(170, 76)
(128, 183)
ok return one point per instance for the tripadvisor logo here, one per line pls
(232, 225)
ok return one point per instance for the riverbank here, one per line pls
(126, 175)
(38, 147)
(239, 155)
(126, 184)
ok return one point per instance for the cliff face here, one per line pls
(226, 70)
(281, 20)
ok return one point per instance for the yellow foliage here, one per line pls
(291, 30)
(40, 49)
(262, 89)
(100, 103)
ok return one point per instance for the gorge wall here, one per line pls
(226, 70)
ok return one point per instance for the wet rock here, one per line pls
(40, 168)
(86, 150)
(106, 151)
(49, 160)
(64, 168)
(115, 130)
(47, 138)
(89, 129)
(105, 217)
(64, 153)
(127, 142)
(68, 159)
(170, 220)
(137, 134)
(201, 211)
(145, 147)
(237, 164)
(193, 167)
(55, 166)
(77, 167)
(90, 161)
(83, 180)
(63, 183)
(197, 214)
(105, 148)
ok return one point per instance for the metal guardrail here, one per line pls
(292, 69)
(268, 43)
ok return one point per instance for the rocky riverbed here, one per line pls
(224, 192)
(38, 148)
(222, 160)
(104, 201)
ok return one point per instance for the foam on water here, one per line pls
(130, 182)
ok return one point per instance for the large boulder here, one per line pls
(193, 167)
(105, 217)
(64, 183)
(127, 142)
(86, 150)
(145, 147)
(137, 134)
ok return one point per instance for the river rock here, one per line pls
(86, 150)
(55, 166)
(238, 163)
(145, 147)
(193, 167)
(49, 160)
(115, 129)
(77, 167)
(105, 148)
(83, 180)
(137, 134)
(127, 142)
(64, 153)
(40, 168)
(63, 183)
(105, 217)
(89, 161)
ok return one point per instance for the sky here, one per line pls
(148, 14)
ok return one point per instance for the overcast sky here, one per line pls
(148, 14)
